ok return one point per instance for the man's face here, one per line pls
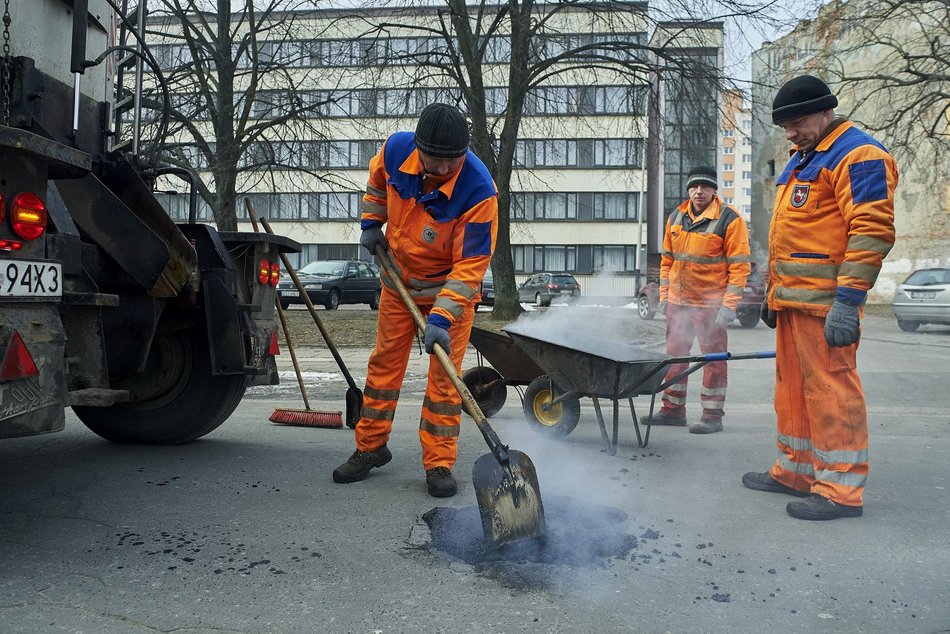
(440, 166)
(805, 131)
(701, 195)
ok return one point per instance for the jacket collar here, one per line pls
(837, 127)
(413, 165)
(711, 211)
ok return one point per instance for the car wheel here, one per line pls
(749, 319)
(537, 299)
(284, 304)
(643, 308)
(333, 300)
(556, 422)
(907, 325)
(374, 304)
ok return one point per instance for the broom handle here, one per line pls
(494, 443)
(280, 315)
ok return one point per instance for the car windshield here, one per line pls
(563, 280)
(325, 268)
(928, 277)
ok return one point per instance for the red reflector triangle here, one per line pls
(17, 362)
(274, 348)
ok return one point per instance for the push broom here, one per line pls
(299, 417)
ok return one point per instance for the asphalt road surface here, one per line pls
(244, 531)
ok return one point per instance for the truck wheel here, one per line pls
(374, 304)
(333, 300)
(489, 398)
(643, 308)
(557, 422)
(177, 399)
(749, 319)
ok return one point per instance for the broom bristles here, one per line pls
(307, 418)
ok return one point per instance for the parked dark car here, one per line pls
(541, 288)
(750, 305)
(923, 298)
(334, 282)
(487, 290)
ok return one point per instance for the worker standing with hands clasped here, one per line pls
(706, 261)
(440, 208)
(832, 225)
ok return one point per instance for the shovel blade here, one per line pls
(354, 407)
(511, 509)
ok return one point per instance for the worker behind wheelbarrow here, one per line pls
(706, 261)
(440, 208)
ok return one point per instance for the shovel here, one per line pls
(354, 396)
(505, 481)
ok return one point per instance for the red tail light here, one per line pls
(28, 216)
(274, 274)
(263, 272)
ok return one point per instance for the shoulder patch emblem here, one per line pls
(429, 235)
(799, 195)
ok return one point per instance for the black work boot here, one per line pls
(818, 507)
(709, 426)
(360, 463)
(765, 482)
(659, 418)
(440, 482)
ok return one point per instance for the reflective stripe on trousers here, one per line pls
(684, 324)
(819, 405)
(441, 410)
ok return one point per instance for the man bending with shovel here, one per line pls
(440, 208)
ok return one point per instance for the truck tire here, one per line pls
(557, 422)
(180, 400)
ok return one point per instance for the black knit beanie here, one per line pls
(442, 131)
(702, 175)
(801, 96)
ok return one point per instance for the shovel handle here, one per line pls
(494, 443)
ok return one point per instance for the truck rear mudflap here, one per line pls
(32, 382)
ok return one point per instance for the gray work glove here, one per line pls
(768, 316)
(842, 325)
(436, 334)
(661, 309)
(373, 236)
(725, 316)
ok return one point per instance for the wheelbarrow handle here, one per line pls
(499, 450)
(721, 356)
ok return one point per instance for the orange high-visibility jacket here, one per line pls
(833, 222)
(706, 257)
(441, 241)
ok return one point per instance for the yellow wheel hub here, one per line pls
(550, 417)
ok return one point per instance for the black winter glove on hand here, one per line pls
(436, 334)
(842, 325)
(767, 316)
(373, 236)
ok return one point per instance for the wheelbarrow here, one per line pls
(583, 366)
(509, 367)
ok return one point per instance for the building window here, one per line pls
(747, 175)
(746, 158)
(728, 184)
(616, 206)
(618, 152)
(614, 259)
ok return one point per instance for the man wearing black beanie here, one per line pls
(832, 225)
(439, 205)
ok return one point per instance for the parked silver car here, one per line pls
(923, 298)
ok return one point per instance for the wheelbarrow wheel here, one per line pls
(556, 422)
(487, 387)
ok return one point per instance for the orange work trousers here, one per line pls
(685, 324)
(442, 406)
(822, 419)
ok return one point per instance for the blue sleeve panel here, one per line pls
(850, 296)
(439, 320)
(868, 181)
(810, 167)
(477, 239)
(368, 224)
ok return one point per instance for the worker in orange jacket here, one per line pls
(706, 262)
(439, 205)
(832, 225)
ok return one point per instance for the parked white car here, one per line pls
(923, 298)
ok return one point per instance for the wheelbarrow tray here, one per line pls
(592, 366)
(508, 359)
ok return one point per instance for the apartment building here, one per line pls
(580, 198)
(735, 181)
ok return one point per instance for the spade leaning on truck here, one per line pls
(149, 329)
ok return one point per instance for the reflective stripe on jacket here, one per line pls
(706, 258)
(442, 241)
(833, 222)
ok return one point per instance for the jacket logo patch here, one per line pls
(429, 235)
(799, 195)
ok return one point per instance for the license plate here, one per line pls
(25, 278)
(923, 294)
(290, 293)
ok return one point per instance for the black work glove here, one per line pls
(768, 316)
(436, 334)
(842, 325)
(373, 236)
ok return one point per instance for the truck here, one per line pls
(149, 329)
